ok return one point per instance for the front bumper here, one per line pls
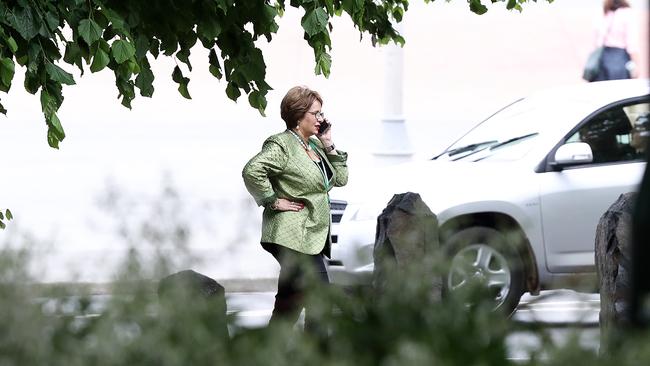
(351, 261)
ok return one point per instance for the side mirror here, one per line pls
(573, 153)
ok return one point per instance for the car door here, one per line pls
(573, 200)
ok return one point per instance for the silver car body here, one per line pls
(557, 211)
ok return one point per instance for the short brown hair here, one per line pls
(296, 103)
(613, 5)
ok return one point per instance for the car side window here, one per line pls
(617, 134)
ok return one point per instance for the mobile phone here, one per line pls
(323, 127)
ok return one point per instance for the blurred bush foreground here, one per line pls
(404, 322)
(404, 325)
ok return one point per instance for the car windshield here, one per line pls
(508, 127)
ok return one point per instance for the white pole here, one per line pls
(394, 144)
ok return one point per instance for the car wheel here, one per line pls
(481, 256)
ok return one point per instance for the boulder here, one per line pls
(406, 241)
(191, 281)
(613, 265)
(189, 296)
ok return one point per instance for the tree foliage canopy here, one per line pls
(121, 36)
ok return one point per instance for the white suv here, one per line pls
(518, 198)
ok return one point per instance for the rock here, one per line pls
(613, 265)
(406, 240)
(189, 296)
(192, 281)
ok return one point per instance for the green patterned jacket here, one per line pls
(283, 170)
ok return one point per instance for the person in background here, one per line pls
(291, 177)
(617, 33)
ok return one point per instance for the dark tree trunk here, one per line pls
(640, 294)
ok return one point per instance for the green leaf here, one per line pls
(122, 50)
(323, 64)
(52, 140)
(32, 82)
(34, 55)
(55, 89)
(182, 88)
(104, 46)
(221, 4)
(22, 60)
(398, 14)
(177, 74)
(2, 109)
(329, 4)
(215, 67)
(9, 215)
(184, 56)
(7, 71)
(116, 20)
(182, 81)
(254, 68)
(215, 71)
(23, 21)
(89, 31)
(258, 101)
(399, 40)
(49, 49)
(72, 55)
(58, 74)
(144, 82)
(232, 91)
(133, 66)
(315, 22)
(11, 43)
(52, 21)
(2, 216)
(154, 48)
(48, 104)
(476, 7)
(141, 46)
(209, 28)
(100, 60)
(124, 71)
(2, 225)
(109, 33)
(126, 88)
(55, 126)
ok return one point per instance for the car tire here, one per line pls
(484, 254)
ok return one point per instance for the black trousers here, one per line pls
(297, 272)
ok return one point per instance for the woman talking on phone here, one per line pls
(291, 177)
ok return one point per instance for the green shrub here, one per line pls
(404, 325)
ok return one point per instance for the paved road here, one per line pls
(553, 308)
(562, 313)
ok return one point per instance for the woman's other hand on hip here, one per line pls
(282, 204)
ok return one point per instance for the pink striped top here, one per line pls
(618, 29)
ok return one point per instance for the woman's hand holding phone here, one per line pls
(325, 132)
(323, 127)
(325, 135)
